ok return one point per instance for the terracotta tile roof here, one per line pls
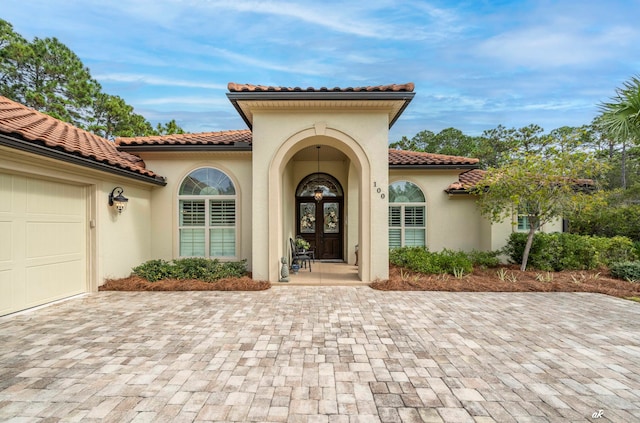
(233, 87)
(471, 178)
(229, 138)
(466, 181)
(36, 128)
(415, 158)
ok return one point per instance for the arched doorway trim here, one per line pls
(358, 157)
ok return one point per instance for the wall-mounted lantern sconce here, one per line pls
(117, 200)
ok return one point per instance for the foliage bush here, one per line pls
(154, 270)
(420, 259)
(566, 251)
(484, 258)
(540, 254)
(609, 221)
(627, 270)
(190, 268)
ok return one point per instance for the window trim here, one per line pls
(207, 217)
(403, 207)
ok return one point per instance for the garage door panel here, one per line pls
(54, 281)
(6, 291)
(6, 194)
(6, 241)
(69, 238)
(52, 198)
(43, 241)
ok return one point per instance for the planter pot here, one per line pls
(295, 267)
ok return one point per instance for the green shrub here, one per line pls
(194, 268)
(565, 251)
(627, 270)
(447, 261)
(404, 255)
(154, 270)
(190, 268)
(484, 258)
(540, 256)
(615, 249)
(419, 259)
(574, 252)
(614, 220)
(636, 248)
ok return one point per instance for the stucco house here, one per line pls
(231, 195)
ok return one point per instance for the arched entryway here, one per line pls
(321, 223)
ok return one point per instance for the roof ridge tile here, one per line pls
(235, 87)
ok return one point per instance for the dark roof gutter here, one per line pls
(40, 150)
(235, 97)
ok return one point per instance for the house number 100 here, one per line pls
(378, 190)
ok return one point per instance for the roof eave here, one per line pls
(235, 97)
(64, 156)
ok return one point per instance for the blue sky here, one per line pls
(475, 64)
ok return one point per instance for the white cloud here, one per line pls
(153, 80)
(557, 44)
(217, 101)
(302, 68)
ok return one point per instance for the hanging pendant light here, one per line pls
(317, 193)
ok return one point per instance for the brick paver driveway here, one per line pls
(323, 354)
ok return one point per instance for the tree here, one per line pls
(12, 45)
(419, 142)
(50, 78)
(113, 117)
(47, 76)
(541, 187)
(169, 128)
(449, 141)
(494, 147)
(621, 118)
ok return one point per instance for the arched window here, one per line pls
(328, 184)
(407, 215)
(207, 208)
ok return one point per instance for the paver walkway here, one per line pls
(323, 354)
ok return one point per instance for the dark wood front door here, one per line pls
(321, 224)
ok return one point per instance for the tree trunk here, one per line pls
(623, 175)
(527, 248)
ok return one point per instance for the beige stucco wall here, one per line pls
(115, 243)
(501, 231)
(362, 137)
(175, 166)
(453, 222)
(124, 239)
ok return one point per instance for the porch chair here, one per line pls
(300, 256)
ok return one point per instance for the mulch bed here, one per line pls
(481, 280)
(487, 280)
(136, 283)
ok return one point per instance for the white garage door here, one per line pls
(43, 242)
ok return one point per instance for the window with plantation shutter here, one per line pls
(207, 221)
(407, 215)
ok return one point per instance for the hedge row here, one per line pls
(190, 268)
(565, 251)
(420, 259)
